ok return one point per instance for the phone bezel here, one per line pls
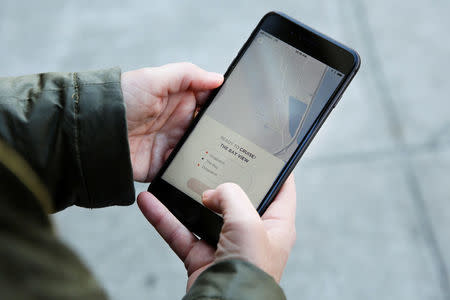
(195, 216)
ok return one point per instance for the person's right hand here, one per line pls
(264, 241)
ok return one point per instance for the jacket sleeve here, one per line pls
(233, 280)
(34, 263)
(71, 129)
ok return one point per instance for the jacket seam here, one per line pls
(63, 87)
(99, 83)
(76, 110)
(60, 89)
(209, 298)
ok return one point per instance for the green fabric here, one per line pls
(67, 134)
(234, 280)
(63, 142)
(71, 129)
(34, 264)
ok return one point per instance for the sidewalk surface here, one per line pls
(373, 188)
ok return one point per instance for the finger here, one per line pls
(167, 154)
(279, 218)
(284, 205)
(231, 201)
(202, 96)
(178, 237)
(187, 76)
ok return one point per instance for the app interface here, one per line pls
(255, 122)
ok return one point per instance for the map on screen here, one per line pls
(255, 122)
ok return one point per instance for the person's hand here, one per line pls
(264, 241)
(160, 104)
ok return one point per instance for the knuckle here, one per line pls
(188, 65)
(228, 188)
(232, 186)
(223, 187)
(147, 71)
(174, 235)
(221, 190)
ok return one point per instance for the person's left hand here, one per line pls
(160, 104)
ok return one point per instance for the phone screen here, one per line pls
(255, 122)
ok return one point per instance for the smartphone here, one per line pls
(252, 131)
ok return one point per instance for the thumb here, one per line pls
(230, 200)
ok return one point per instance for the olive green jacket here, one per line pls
(63, 142)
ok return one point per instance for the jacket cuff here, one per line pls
(234, 279)
(101, 139)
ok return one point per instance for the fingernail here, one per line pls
(206, 195)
